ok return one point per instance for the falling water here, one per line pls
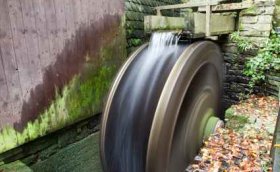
(135, 102)
(162, 40)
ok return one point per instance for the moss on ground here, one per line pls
(235, 121)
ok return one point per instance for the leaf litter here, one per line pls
(245, 142)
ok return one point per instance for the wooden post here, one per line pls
(158, 12)
(208, 19)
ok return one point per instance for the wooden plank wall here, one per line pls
(34, 36)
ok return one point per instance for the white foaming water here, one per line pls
(162, 40)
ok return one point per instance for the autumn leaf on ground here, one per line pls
(245, 143)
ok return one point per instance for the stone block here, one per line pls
(135, 25)
(277, 16)
(80, 156)
(254, 10)
(260, 41)
(230, 48)
(134, 16)
(264, 2)
(256, 27)
(264, 19)
(249, 19)
(266, 10)
(137, 34)
(259, 19)
(255, 33)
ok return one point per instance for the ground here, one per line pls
(245, 142)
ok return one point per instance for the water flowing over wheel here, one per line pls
(156, 120)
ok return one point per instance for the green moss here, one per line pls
(81, 98)
(241, 27)
(235, 121)
(250, 11)
(16, 166)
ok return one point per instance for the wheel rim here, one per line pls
(167, 148)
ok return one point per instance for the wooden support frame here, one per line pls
(216, 7)
(207, 6)
(194, 24)
(228, 7)
(185, 5)
(208, 19)
(204, 23)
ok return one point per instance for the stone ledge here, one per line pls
(257, 27)
(44, 147)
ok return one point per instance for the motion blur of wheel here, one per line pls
(160, 125)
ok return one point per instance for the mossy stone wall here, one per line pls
(255, 25)
(277, 14)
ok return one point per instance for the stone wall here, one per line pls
(277, 14)
(255, 25)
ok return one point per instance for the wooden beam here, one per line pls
(152, 23)
(208, 19)
(187, 5)
(195, 24)
(228, 7)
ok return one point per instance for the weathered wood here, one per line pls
(8, 47)
(31, 36)
(62, 34)
(41, 26)
(219, 24)
(84, 12)
(51, 29)
(228, 7)
(20, 47)
(78, 23)
(187, 5)
(3, 90)
(164, 23)
(53, 39)
(70, 31)
(48, 48)
(208, 19)
(195, 23)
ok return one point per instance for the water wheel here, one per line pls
(156, 120)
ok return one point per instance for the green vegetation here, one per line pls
(266, 60)
(242, 43)
(250, 11)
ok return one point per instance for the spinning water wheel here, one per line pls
(172, 113)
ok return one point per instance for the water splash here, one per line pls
(162, 40)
